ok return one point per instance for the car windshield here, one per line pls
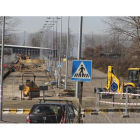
(48, 109)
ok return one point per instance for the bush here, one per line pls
(120, 65)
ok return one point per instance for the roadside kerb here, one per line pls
(26, 111)
(16, 111)
(109, 110)
(13, 111)
(19, 111)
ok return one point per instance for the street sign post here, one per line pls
(114, 88)
(81, 70)
(43, 88)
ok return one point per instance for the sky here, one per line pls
(32, 24)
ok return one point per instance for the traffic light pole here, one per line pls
(2, 61)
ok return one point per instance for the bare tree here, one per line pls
(10, 25)
(35, 39)
(127, 26)
(15, 39)
(88, 52)
(89, 40)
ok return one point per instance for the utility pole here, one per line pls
(53, 37)
(2, 61)
(52, 50)
(41, 46)
(67, 55)
(56, 43)
(79, 53)
(80, 90)
(59, 81)
(24, 37)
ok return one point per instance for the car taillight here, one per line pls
(28, 118)
(63, 119)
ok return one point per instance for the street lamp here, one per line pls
(49, 27)
(52, 41)
(56, 34)
(59, 82)
(67, 55)
(2, 61)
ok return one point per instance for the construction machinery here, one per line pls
(133, 84)
(30, 89)
(24, 57)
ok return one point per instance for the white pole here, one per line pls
(59, 81)
(2, 61)
(79, 52)
(67, 55)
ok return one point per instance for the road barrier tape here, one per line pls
(119, 103)
(119, 93)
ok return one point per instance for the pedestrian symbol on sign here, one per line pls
(81, 71)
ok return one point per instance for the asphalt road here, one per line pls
(14, 118)
(112, 118)
(101, 118)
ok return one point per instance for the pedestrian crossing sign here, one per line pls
(81, 70)
(59, 65)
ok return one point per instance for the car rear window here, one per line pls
(48, 109)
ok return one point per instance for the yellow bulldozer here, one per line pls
(133, 81)
(30, 89)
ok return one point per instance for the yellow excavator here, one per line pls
(133, 81)
(30, 89)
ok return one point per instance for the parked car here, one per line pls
(53, 111)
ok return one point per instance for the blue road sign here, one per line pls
(81, 70)
(114, 87)
(59, 65)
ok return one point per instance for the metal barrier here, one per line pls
(126, 103)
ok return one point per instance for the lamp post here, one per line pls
(56, 44)
(59, 81)
(79, 55)
(2, 61)
(67, 55)
(49, 64)
(56, 35)
(46, 32)
(52, 45)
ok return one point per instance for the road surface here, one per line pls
(101, 118)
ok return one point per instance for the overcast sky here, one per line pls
(93, 24)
